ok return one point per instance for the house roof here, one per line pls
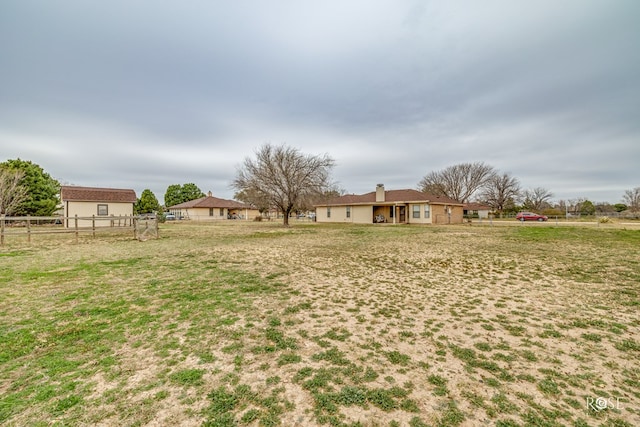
(94, 194)
(211, 202)
(390, 196)
(476, 207)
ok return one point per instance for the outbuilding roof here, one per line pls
(211, 202)
(93, 194)
(390, 197)
(473, 206)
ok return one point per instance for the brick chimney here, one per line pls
(380, 193)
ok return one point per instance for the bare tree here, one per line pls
(500, 192)
(536, 199)
(632, 199)
(458, 182)
(605, 208)
(284, 177)
(12, 192)
(258, 200)
(574, 206)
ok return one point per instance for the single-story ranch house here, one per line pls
(476, 210)
(209, 208)
(103, 203)
(392, 206)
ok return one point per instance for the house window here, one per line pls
(328, 212)
(348, 211)
(103, 209)
(210, 211)
(221, 211)
(427, 211)
(416, 211)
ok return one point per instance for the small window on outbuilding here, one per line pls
(221, 211)
(328, 212)
(348, 211)
(427, 211)
(103, 210)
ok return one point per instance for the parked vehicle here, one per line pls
(530, 216)
(169, 216)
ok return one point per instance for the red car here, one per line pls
(530, 216)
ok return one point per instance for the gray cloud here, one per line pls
(144, 95)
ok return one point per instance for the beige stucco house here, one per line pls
(109, 206)
(212, 208)
(476, 210)
(391, 207)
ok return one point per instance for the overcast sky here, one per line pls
(145, 94)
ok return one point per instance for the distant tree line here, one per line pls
(479, 182)
(283, 178)
(175, 194)
(26, 189)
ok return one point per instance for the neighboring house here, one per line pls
(392, 206)
(209, 208)
(476, 210)
(101, 203)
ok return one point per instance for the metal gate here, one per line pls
(146, 227)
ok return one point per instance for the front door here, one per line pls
(402, 214)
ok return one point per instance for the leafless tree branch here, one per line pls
(501, 191)
(458, 182)
(12, 192)
(536, 199)
(283, 177)
(632, 199)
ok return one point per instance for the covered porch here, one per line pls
(390, 213)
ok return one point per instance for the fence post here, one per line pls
(29, 228)
(93, 225)
(134, 222)
(76, 227)
(2, 230)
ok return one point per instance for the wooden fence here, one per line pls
(35, 225)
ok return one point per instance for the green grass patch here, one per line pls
(358, 319)
(187, 377)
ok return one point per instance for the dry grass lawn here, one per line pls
(236, 323)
